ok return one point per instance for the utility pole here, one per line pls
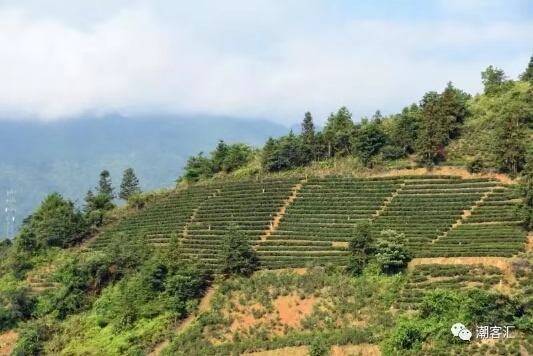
(10, 214)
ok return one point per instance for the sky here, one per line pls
(268, 59)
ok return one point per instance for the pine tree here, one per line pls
(308, 136)
(89, 201)
(377, 117)
(104, 186)
(129, 185)
(219, 155)
(360, 247)
(527, 76)
(434, 131)
(338, 133)
(237, 255)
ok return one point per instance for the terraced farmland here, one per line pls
(322, 218)
(492, 229)
(425, 209)
(158, 222)
(293, 222)
(250, 204)
(425, 278)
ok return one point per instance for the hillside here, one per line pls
(462, 231)
(409, 234)
(293, 221)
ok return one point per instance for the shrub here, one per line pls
(318, 347)
(391, 153)
(475, 166)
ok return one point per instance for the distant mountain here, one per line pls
(67, 156)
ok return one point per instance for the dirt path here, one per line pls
(529, 244)
(204, 305)
(362, 350)
(8, 342)
(451, 171)
(275, 221)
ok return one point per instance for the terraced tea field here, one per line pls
(429, 277)
(292, 222)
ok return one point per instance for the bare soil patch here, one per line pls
(288, 312)
(8, 342)
(452, 171)
(529, 245)
(340, 244)
(347, 350)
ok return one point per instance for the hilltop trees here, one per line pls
(130, 185)
(55, 223)
(104, 186)
(527, 76)
(369, 140)
(224, 159)
(338, 133)
(492, 126)
(237, 255)
(404, 131)
(308, 137)
(285, 153)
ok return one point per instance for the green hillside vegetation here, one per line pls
(319, 240)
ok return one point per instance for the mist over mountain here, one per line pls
(37, 158)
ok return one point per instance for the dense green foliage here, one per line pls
(361, 247)
(130, 185)
(391, 253)
(55, 223)
(238, 256)
(225, 158)
(525, 191)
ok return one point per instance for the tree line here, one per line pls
(495, 121)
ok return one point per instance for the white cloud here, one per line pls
(247, 58)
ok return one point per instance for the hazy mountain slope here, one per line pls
(67, 156)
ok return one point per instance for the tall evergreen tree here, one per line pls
(434, 133)
(370, 139)
(104, 186)
(361, 246)
(339, 132)
(308, 136)
(527, 76)
(219, 155)
(237, 255)
(453, 104)
(377, 117)
(405, 128)
(89, 201)
(129, 185)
